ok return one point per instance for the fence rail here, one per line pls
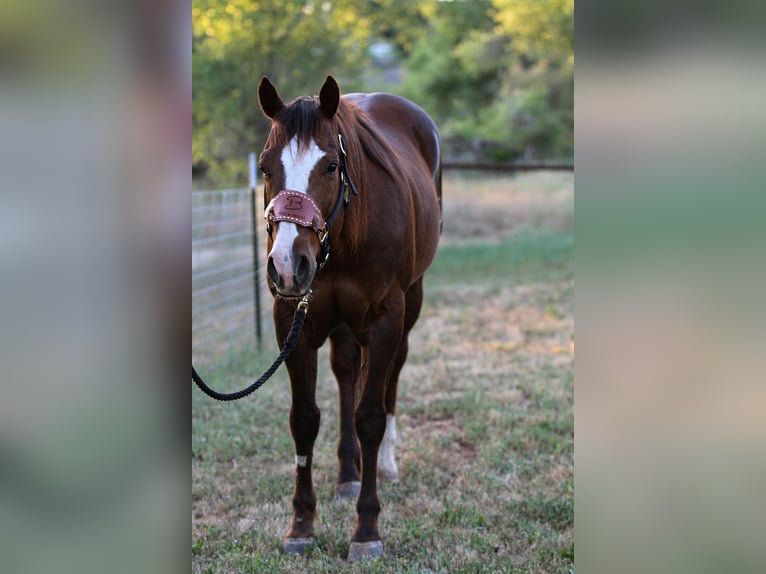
(225, 274)
(542, 165)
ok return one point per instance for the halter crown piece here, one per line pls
(299, 208)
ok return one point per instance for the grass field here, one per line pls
(485, 412)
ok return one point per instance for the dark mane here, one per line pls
(374, 147)
(363, 140)
(298, 118)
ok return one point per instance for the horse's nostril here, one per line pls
(272, 271)
(302, 270)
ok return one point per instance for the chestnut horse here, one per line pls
(353, 194)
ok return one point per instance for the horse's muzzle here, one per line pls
(295, 276)
(292, 262)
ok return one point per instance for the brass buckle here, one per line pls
(303, 304)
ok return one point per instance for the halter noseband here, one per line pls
(299, 208)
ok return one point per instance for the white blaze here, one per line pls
(297, 168)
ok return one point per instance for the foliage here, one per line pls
(497, 75)
(235, 42)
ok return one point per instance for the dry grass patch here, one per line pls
(495, 207)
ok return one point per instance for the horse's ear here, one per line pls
(329, 97)
(268, 97)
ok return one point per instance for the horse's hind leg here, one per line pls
(383, 337)
(387, 469)
(345, 358)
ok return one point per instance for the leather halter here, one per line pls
(300, 208)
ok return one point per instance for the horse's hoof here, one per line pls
(359, 550)
(388, 476)
(348, 490)
(297, 546)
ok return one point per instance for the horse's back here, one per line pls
(405, 121)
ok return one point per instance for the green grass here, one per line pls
(531, 256)
(485, 421)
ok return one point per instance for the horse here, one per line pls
(352, 198)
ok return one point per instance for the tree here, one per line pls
(295, 42)
(498, 77)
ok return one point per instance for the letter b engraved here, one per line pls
(294, 203)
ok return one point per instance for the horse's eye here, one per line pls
(264, 171)
(332, 168)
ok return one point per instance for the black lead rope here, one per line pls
(287, 347)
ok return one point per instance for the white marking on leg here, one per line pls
(386, 458)
(301, 461)
(298, 165)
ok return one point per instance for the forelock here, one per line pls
(300, 118)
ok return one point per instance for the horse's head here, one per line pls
(302, 171)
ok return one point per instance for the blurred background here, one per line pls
(497, 76)
(670, 397)
(96, 109)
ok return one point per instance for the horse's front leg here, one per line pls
(383, 341)
(304, 425)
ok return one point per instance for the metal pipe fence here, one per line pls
(225, 276)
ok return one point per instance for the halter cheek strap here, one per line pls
(299, 208)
